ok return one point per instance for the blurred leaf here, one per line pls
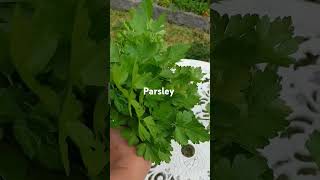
(5, 65)
(313, 145)
(100, 115)
(9, 108)
(93, 151)
(88, 59)
(1, 134)
(253, 40)
(94, 74)
(27, 139)
(83, 51)
(238, 168)
(21, 53)
(248, 51)
(49, 156)
(56, 62)
(15, 166)
(71, 111)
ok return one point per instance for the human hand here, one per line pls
(124, 163)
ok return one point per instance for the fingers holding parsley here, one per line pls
(124, 163)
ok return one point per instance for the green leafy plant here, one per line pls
(164, 3)
(140, 58)
(247, 53)
(52, 91)
(200, 7)
(199, 51)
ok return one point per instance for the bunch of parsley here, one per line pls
(140, 58)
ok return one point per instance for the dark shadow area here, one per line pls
(266, 90)
(53, 89)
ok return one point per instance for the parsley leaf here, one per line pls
(188, 128)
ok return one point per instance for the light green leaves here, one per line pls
(139, 81)
(177, 52)
(141, 17)
(151, 125)
(173, 55)
(137, 107)
(118, 74)
(147, 8)
(147, 129)
(114, 53)
(158, 25)
(143, 133)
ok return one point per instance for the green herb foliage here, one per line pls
(52, 91)
(199, 51)
(247, 53)
(164, 3)
(140, 58)
(200, 7)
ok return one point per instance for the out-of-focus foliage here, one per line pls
(52, 90)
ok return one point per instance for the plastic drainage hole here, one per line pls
(188, 150)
